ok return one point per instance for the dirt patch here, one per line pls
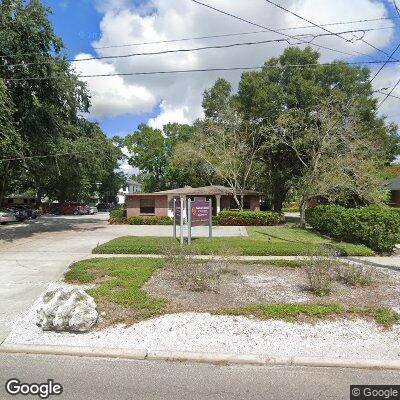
(240, 284)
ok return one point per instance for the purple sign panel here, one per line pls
(200, 212)
(178, 210)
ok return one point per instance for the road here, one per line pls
(35, 253)
(105, 379)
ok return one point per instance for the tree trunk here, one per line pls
(278, 197)
(4, 182)
(303, 207)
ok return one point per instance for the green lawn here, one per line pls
(289, 311)
(123, 284)
(286, 240)
(120, 281)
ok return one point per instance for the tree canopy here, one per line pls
(48, 103)
(264, 96)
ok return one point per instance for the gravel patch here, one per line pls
(204, 332)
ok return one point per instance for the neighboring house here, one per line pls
(394, 186)
(160, 203)
(20, 199)
(131, 187)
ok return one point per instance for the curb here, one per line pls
(199, 357)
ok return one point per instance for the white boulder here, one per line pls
(67, 309)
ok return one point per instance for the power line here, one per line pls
(389, 59)
(270, 29)
(244, 33)
(201, 70)
(298, 37)
(398, 82)
(322, 27)
(226, 35)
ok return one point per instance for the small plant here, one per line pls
(320, 268)
(354, 275)
(203, 277)
(196, 274)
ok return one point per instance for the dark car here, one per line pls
(28, 211)
(105, 207)
(24, 211)
(18, 214)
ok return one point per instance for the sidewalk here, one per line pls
(392, 263)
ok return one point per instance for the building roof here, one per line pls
(393, 184)
(200, 191)
(131, 182)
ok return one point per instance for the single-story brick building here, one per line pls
(394, 186)
(161, 203)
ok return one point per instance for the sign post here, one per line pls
(189, 207)
(181, 218)
(210, 219)
(174, 208)
(200, 214)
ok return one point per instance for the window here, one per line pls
(246, 203)
(147, 206)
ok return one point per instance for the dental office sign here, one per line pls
(198, 213)
(201, 212)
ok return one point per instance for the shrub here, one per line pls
(320, 268)
(215, 220)
(117, 216)
(376, 227)
(354, 275)
(150, 221)
(249, 218)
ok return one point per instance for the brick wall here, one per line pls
(133, 205)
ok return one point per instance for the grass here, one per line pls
(286, 240)
(382, 315)
(120, 281)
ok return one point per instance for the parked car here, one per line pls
(28, 212)
(23, 210)
(18, 214)
(91, 210)
(69, 208)
(105, 207)
(6, 216)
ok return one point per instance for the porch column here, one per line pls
(218, 198)
(170, 206)
(184, 211)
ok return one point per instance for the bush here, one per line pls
(354, 275)
(250, 218)
(149, 221)
(320, 268)
(376, 227)
(117, 216)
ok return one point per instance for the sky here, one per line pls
(119, 104)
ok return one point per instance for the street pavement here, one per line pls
(35, 253)
(105, 379)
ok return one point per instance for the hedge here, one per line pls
(376, 227)
(150, 221)
(117, 216)
(250, 218)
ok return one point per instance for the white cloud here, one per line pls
(180, 94)
(112, 96)
(124, 166)
(169, 113)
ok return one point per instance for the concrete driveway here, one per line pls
(35, 253)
